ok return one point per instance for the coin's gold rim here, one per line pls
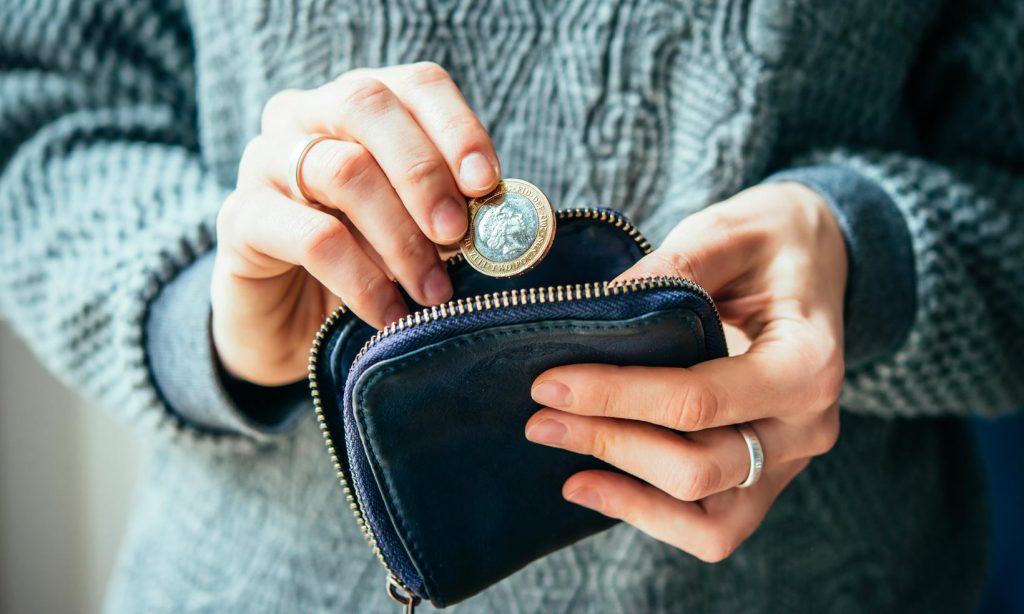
(534, 254)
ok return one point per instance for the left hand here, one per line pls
(774, 259)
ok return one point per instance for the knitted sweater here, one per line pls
(121, 126)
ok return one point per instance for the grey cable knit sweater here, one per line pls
(121, 126)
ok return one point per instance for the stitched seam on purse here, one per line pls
(415, 552)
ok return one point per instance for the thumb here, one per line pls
(706, 247)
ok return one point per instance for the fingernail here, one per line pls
(586, 498)
(476, 172)
(395, 313)
(437, 287)
(552, 394)
(450, 220)
(548, 432)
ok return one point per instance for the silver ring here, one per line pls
(756, 454)
(295, 183)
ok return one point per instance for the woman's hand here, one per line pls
(388, 186)
(775, 261)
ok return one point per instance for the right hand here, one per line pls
(388, 191)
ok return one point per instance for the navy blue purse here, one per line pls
(424, 420)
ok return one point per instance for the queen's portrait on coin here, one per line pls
(505, 232)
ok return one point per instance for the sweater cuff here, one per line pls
(881, 286)
(188, 373)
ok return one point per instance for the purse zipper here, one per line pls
(529, 296)
(495, 300)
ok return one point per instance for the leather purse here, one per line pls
(424, 420)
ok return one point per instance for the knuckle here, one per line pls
(346, 166)
(427, 73)
(411, 246)
(697, 482)
(461, 124)
(679, 265)
(423, 170)
(719, 548)
(366, 290)
(320, 237)
(277, 106)
(598, 396)
(366, 95)
(695, 408)
(725, 221)
(721, 222)
(715, 226)
(604, 398)
(596, 443)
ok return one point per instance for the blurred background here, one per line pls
(68, 475)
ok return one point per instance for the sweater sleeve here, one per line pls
(188, 373)
(961, 197)
(103, 195)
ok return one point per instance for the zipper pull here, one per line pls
(402, 596)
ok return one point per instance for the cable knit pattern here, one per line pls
(121, 126)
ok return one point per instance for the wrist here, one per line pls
(187, 372)
(250, 340)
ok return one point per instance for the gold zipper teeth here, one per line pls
(523, 296)
(339, 472)
(462, 306)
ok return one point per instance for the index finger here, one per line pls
(436, 103)
(362, 109)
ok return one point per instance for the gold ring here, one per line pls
(295, 183)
